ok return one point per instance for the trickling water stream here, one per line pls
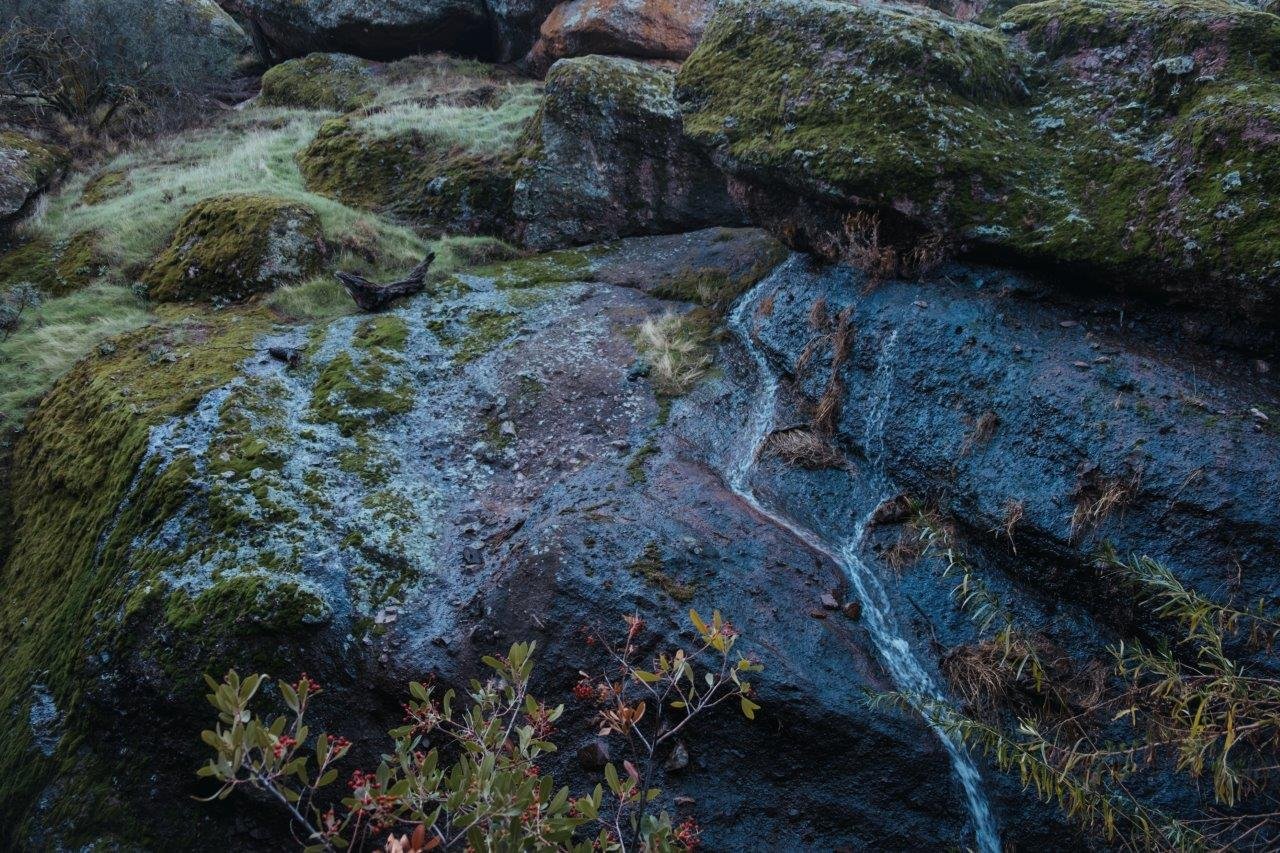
(894, 650)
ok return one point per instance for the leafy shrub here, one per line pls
(494, 796)
(1200, 703)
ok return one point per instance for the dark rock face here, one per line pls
(383, 30)
(978, 391)
(500, 30)
(609, 159)
(478, 466)
(1136, 141)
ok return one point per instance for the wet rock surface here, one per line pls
(475, 467)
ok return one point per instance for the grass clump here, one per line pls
(676, 349)
(250, 153)
(55, 335)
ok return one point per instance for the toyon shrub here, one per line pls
(494, 796)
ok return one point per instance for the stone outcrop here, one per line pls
(1133, 142)
(230, 247)
(27, 168)
(607, 158)
(384, 30)
(654, 29)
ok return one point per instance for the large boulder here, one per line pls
(483, 464)
(233, 246)
(1135, 141)
(384, 30)
(27, 168)
(608, 158)
(189, 46)
(655, 29)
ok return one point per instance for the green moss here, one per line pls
(1126, 138)
(386, 332)
(320, 81)
(552, 268)
(72, 466)
(355, 396)
(57, 268)
(411, 175)
(637, 467)
(104, 186)
(487, 329)
(650, 566)
(229, 247)
(249, 602)
(29, 162)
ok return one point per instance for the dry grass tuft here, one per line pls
(983, 430)
(1013, 511)
(804, 448)
(827, 412)
(675, 347)
(1098, 499)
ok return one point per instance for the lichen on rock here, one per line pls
(233, 246)
(1131, 140)
(27, 168)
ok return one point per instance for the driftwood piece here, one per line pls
(369, 296)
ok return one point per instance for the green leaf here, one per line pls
(749, 708)
(697, 622)
(328, 777)
(611, 776)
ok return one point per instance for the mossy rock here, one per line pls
(57, 267)
(82, 449)
(252, 602)
(320, 81)
(103, 187)
(1134, 141)
(413, 177)
(27, 168)
(229, 247)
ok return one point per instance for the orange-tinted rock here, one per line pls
(642, 29)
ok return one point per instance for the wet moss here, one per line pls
(387, 332)
(72, 467)
(486, 330)
(355, 396)
(651, 567)
(250, 602)
(552, 268)
(230, 247)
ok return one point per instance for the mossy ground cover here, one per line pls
(71, 470)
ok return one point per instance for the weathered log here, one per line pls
(370, 296)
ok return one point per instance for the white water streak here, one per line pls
(894, 650)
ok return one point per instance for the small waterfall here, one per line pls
(894, 650)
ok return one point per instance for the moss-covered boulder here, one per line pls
(321, 81)
(608, 158)
(230, 247)
(57, 267)
(27, 168)
(447, 162)
(1136, 141)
